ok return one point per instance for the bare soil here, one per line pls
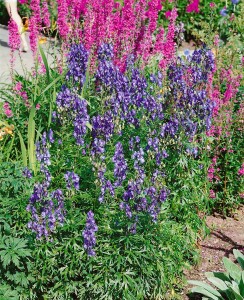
(226, 234)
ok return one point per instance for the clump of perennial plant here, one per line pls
(129, 137)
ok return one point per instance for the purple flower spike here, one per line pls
(77, 63)
(120, 165)
(27, 173)
(89, 234)
(223, 12)
(50, 136)
(72, 179)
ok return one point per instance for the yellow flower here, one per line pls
(42, 40)
(8, 130)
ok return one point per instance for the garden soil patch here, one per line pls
(226, 234)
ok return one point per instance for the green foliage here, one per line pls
(12, 182)
(125, 267)
(230, 284)
(208, 22)
(15, 264)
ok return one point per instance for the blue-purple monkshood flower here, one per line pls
(156, 174)
(129, 94)
(65, 99)
(27, 173)
(130, 60)
(60, 210)
(134, 142)
(50, 136)
(89, 234)
(192, 151)
(138, 157)
(126, 207)
(47, 174)
(105, 184)
(120, 165)
(187, 80)
(224, 12)
(156, 200)
(42, 151)
(80, 120)
(54, 116)
(105, 52)
(235, 1)
(133, 228)
(170, 128)
(47, 210)
(77, 63)
(98, 147)
(75, 109)
(103, 126)
(72, 179)
(157, 79)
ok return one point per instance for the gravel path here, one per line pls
(226, 234)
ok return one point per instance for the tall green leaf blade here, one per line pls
(241, 285)
(51, 84)
(23, 149)
(239, 257)
(31, 139)
(232, 269)
(219, 275)
(44, 58)
(203, 291)
(220, 284)
(206, 287)
(10, 148)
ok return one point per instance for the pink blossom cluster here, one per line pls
(212, 194)
(14, 36)
(233, 83)
(35, 24)
(45, 13)
(131, 28)
(193, 6)
(7, 110)
(21, 93)
(62, 20)
(241, 170)
(221, 111)
(212, 170)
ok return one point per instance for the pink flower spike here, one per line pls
(212, 194)
(38, 106)
(212, 4)
(6, 105)
(8, 112)
(14, 36)
(18, 86)
(168, 14)
(241, 171)
(193, 6)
